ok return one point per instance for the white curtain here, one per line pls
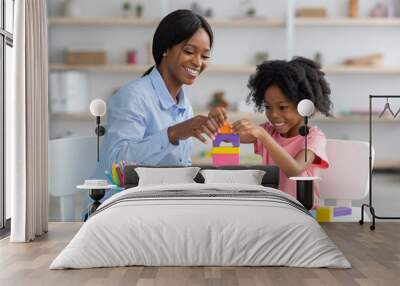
(27, 123)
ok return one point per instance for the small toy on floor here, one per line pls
(326, 214)
(341, 211)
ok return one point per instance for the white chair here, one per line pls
(347, 177)
(71, 161)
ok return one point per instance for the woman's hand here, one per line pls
(218, 116)
(197, 127)
(248, 131)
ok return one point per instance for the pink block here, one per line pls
(225, 159)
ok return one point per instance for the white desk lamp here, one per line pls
(304, 185)
(98, 109)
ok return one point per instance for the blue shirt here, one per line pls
(139, 115)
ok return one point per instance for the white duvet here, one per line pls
(200, 231)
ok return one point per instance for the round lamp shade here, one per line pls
(305, 107)
(98, 107)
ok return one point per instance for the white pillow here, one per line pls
(249, 177)
(163, 176)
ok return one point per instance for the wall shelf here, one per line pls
(343, 69)
(146, 22)
(340, 22)
(245, 69)
(101, 21)
(226, 22)
(235, 115)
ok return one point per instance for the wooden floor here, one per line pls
(374, 255)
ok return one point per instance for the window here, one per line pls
(6, 44)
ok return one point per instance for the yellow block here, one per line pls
(324, 214)
(225, 150)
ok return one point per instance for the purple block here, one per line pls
(341, 211)
(233, 138)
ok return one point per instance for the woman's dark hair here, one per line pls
(175, 28)
(298, 79)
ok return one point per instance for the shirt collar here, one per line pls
(163, 94)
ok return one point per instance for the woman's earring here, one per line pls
(164, 54)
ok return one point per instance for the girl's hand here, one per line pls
(248, 131)
(218, 116)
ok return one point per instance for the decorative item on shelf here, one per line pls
(311, 12)
(127, 9)
(251, 12)
(380, 10)
(139, 10)
(318, 58)
(353, 8)
(218, 100)
(68, 91)
(71, 8)
(197, 9)
(261, 57)
(85, 57)
(208, 13)
(98, 109)
(248, 8)
(131, 57)
(222, 155)
(369, 60)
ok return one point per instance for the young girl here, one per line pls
(277, 87)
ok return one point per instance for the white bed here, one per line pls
(255, 226)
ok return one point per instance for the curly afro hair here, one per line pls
(298, 79)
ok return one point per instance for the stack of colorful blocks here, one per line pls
(222, 155)
(326, 214)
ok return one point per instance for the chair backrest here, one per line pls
(347, 177)
(71, 161)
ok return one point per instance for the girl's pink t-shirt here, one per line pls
(316, 142)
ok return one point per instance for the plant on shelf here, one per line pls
(139, 10)
(127, 9)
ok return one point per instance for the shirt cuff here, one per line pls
(257, 147)
(165, 145)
